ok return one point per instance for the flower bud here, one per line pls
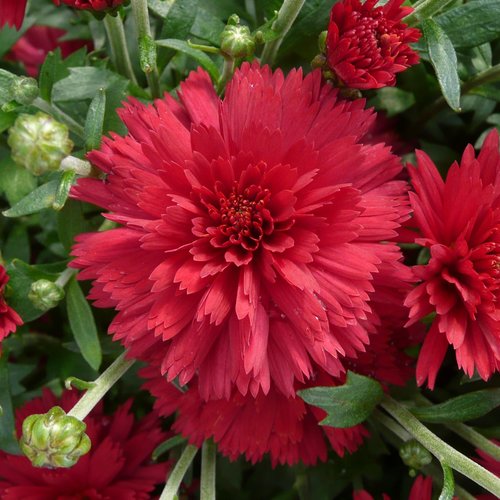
(414, 455)
(54, 439)
(39, 142)
(236, 40)
(24, 90)
(45, 294)
(322, 41)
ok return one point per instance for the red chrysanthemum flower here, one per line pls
(366, 45)
(253, 228)
(32, 48)
(96, 5)
(284, 427)
(9, 319)
(12, 12)
(118, 466)
(459, 220)
(421, 490)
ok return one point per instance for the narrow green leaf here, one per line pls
(448, 483)
(196, 54)
(63, 189)
(444, 59)
(83, 325)
(48, 74)
(8, 441)
(167, 445)
(42, 197)
(346, 405)
(460, 409)
(70, 222)
(81, 385)
(95, 121)
(15, 181)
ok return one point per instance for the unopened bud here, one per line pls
(236, 40)
(54, 439)
(414, 455)
(24, 90)
(322, 41)
(39, 142)
(45, 294)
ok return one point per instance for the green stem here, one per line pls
(102, 385)
(65, 276)
(475, 438)
(227, 73)
(490, 75)
(118, 42)
(425, 9)
(441, 450)
(208, 460)
(286, 16)
(180, 469)
(60, 115)
(147, 47)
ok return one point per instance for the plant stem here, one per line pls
(147, 47)
(286, 16)
(102, 385)
(60, 115)
(475, 438)
(65, 276)
(424, 10)
(441, 450)
(208, 459)
(118, 42)
(227, 73)
(176, 476)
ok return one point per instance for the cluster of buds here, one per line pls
(414, 455)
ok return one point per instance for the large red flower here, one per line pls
(32, 48)
(9, 319)
(12, 12)
(118, 465)
(366, 45)
(460, 223)
(284, 427)
(252, 229)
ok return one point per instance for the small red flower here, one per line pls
(32, 48)
(9, 319)
(252, 230)
(12, 12)
(118, 465)
(460, 223)
(97, 5)
(367, 45)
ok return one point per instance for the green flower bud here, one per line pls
(54, 439)
(39, 142)
(236, 40)
(45, 294)
(414, 455)
(322, 41)
(24, 90)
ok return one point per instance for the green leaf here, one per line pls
(95, 121)
(42, 197)
(70, 222)
(347, 405)
(460, 409)
(17, 244)
(393, 100)
(48, 73)
(15, 181)
(83, 325)
(444, 60)
(62, 193)
(196, 54)
(448, 483)
(472, 24)
(8, 441)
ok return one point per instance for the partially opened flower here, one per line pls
(252, 230)
(118, 465)
(12, 12)
(9, 319)
(367, 45)
(459, 220)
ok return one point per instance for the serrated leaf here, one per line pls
(198, 55)
(346, 405)
(444, 59)
(83, 325)
(8, 441)
(95, 121)
(42, 197)
(460, 409)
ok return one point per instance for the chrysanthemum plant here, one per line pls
(277, 223)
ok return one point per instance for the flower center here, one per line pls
(241, 218)
(373, 32)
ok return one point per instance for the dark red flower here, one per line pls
(97, 5)
(118, 466)
(284, 427)
(366, 45)
(253, 228)
(460, 223)
(421, 490)
(9, 319)
(12, 12)
(32, 48)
